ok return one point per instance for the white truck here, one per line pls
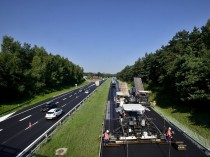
(97, 83)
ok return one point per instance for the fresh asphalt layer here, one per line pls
(149, 149)
(16, 133)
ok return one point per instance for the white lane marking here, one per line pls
(5, 117)
(63, 105)
(31, 125)
(36, 122)
(62, 94)
(57, 102)
(1, 129)
(24, 118)
(25, 111)
(38, 105)
(64, 98)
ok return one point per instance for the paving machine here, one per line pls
(135, 126)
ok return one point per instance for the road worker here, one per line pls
(106, 137)
(169, 134)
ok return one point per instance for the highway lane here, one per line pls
(15, 133)
(146, 150)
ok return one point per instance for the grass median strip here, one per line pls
(80, 134)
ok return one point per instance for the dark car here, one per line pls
(48, 105)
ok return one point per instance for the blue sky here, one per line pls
(100, 35)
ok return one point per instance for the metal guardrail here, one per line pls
(27, 152)
(199, 145)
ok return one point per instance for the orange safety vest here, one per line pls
(168, 133)
(106, 136)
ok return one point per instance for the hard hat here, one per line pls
(169, 128)
(107, 131)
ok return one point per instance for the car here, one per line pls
(53, 113)
(48, 105)
(86, 91)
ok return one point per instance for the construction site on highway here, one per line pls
(131, 120)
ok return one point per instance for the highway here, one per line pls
(16, 133)
(146, 149)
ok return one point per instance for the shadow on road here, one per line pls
(38, 155)
(6, 151)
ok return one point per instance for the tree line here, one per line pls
(181, 68)
(26, 71)
(90, 75)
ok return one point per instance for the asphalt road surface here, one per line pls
(15, 132)
(145, 150)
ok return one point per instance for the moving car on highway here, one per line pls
(53, 113)
(48, 105)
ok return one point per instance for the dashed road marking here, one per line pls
(36, 122)
(64, 98)
(57, 102)
(63, 105)
(24, 118)
(70, 96)
(31, 125)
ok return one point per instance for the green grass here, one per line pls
(184, 120)
(80, 134)
(195, 123)
(19, 105)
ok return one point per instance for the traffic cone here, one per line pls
(30, 125)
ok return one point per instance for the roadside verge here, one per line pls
(80, 134)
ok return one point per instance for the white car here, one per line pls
(53, 113)
(86, 91)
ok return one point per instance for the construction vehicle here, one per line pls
(132, 125)
(113, 83)
(135, 125)
(138, 94)
(123, 94)
(136, 128)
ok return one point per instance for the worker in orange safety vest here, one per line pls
(169, 134)
(106, 137)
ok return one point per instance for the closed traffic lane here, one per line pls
(147, 149)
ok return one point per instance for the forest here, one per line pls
(181, 68)
(26, 71)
